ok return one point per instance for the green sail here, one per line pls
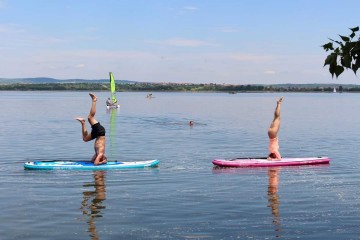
(112, 88)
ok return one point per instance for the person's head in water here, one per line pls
(272, 155)
(191, 123)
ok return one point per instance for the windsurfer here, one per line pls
(273, 130)
(97, 133)
(109, 102)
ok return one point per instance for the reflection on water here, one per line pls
(273, 188)
(273, 177)
(92, 203)
(274, 198)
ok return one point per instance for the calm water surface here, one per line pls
(185, 197)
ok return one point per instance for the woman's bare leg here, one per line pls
(275, 124)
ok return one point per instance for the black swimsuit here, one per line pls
(97, 130)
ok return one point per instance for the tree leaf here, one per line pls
(331, 59)
(357, 63)
(338, 70)
(345, 55)
(338, 50)
(355, 52)
(328, 46)
(344, 38)
(354, 68)
(355, 29)
(346, 60)
(332, 69)
(347, 47)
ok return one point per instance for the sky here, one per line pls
(179, 41)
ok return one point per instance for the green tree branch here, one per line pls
(344, 54)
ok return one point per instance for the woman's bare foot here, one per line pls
(280, 100)
(80, 119)
(94, 98)
(100, 163)
(103, 162)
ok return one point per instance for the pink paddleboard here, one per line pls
(263, 162)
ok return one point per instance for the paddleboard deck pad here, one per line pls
(264, 162)
(84, 165)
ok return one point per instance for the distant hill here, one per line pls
(44, 80)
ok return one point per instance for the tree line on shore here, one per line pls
(168, 87)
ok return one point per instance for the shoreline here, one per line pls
(213, 88)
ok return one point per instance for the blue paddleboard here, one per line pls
(83, 165)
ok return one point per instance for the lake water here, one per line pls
(185, 197)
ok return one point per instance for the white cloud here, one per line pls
(50, 40)
(250, 57)
(190, 8)
(182, 42)
(92, 29)
(10, 29)
(81, 65)
(228, 30)
(269, 72)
